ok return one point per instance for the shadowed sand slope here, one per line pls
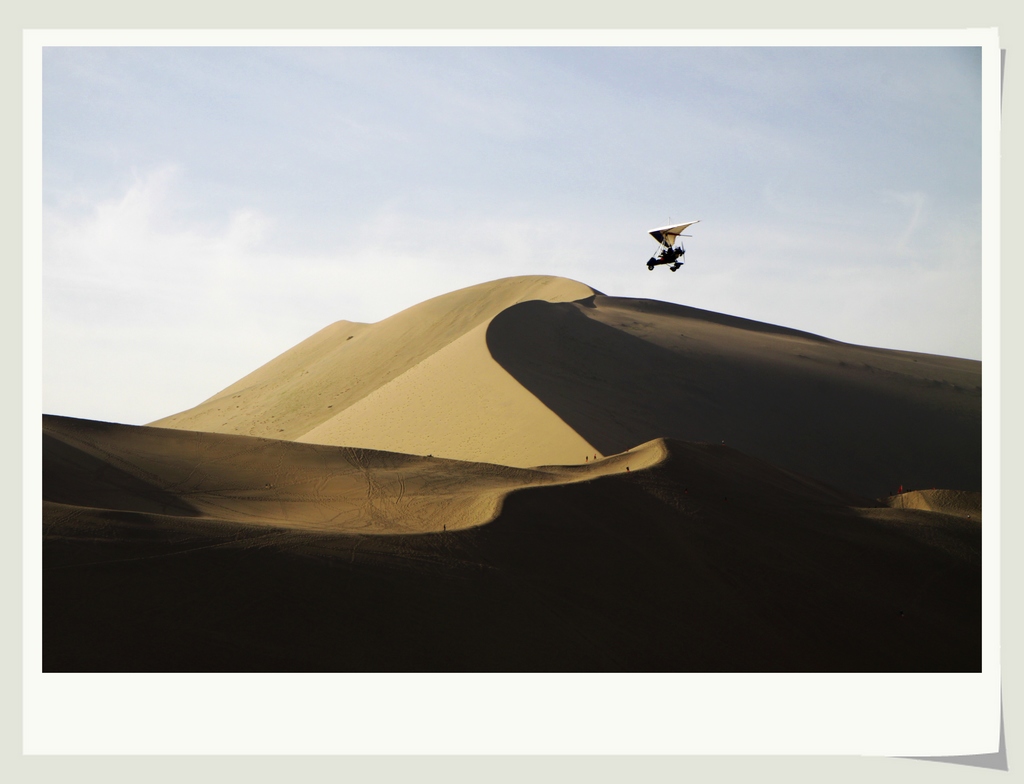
(620, 372)
(224, 552)
(541, 370)
(393, 385)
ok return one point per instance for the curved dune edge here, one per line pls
(623, 371)
(961, 503)
(535, 370)
(191, 475)
(304, 388)
(457, 403)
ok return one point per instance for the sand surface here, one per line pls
(309, 487)
(458, 402)
(621, 371)
(170, 550)
(535, 370)
(528, 475)
(961, 503)
(419, 382)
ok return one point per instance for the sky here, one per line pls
(207, 208)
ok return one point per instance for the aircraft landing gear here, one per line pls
(668, 252)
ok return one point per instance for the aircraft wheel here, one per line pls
(650, 267)
(673, 268)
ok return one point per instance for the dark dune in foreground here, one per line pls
(705, 560)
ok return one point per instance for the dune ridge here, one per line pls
(621, 371)
(961, 503)
(457, 403)
(542, 370)
(236, 553)
(307, 487)
(306, 387)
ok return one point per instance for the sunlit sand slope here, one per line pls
(423, 380)
(460, 403)
(311, 487)
(541, 370)
(166, 550)
(622, 371)
(954, 502)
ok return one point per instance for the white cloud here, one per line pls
(145, 314)
(140, 314)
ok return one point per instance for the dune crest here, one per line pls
(622, 371)
(539, 370)
(309, 385)
(960, 503)
(269, 482)
(457, 403)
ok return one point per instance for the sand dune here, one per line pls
(953, 502)
(308, 487)
(460, 403)
(170, 550)
(534, 370)
(620, 372)
(302, 391)
(529, 475)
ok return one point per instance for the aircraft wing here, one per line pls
(668, 234)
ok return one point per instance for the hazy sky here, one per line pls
(205, 209)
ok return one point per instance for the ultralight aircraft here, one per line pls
(667, 252)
